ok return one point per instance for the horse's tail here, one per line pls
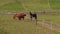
(14, 16)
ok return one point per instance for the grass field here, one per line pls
(42, 4)
(10, 26)
(54, 18)
(12, 6)
(29, 4)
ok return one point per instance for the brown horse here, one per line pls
(19, 16)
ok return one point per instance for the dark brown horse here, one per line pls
(19, 16)
(33, 15)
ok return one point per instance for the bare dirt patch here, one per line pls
(49, 26)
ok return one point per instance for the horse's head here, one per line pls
(24, 14)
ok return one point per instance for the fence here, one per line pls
(38, 12)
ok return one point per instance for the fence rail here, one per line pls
(38, 12)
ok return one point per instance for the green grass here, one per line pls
(4, 1)
(8, 25)
(55, 4)
(50, 18)
(42, 4)
(36, 4)
(29, 4)
(12, 6)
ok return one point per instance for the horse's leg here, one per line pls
(36, 19)
(31, 17)
(23, 18)
(19, 18)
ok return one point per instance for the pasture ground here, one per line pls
(10, 26)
